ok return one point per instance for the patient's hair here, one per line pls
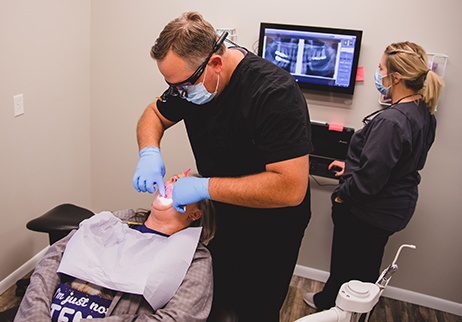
(207, 220)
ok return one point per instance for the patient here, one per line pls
(127, 266)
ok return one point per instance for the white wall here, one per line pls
(45, 153)
(124, 80)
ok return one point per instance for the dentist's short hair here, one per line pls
(189, 36)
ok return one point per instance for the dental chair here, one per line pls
(59, 221)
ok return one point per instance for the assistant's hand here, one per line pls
(189, 190)
(150, 171)
(338, 164)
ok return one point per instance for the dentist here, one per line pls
(249, 129)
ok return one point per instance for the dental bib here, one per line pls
(106, 252)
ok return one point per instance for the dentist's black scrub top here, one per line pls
(261, 117)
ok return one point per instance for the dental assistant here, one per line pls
(378, 191)
(249, 129)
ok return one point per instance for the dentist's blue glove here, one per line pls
(150, 171)
(189, 190)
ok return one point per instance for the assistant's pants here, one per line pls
(357, 251)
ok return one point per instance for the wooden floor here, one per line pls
(387, 310)
(9, 300)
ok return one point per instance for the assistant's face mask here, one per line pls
(379, 83)
(198, 94)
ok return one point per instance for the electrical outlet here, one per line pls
(18, 104)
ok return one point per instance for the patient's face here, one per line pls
(165, 218)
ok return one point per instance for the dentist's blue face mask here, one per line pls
(379, 83)
(198, 94)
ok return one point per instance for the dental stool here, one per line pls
(59, 221)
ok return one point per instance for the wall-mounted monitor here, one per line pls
(321, 59)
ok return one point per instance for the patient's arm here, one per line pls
(191, 302)
(35, 305)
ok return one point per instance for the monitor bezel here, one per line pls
(321, 30)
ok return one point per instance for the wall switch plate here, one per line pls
(18, 104)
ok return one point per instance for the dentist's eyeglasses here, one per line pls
(177, 88)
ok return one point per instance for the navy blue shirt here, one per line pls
(383, 162)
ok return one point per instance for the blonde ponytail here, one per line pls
(411, 62)
(432, 89)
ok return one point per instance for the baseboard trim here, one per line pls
(391, 292)
(11, 279)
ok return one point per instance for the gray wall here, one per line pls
(45, 153)
(76, 141)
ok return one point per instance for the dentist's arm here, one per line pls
(283, 184)
(150, 170)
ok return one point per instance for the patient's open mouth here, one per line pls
(167, 200)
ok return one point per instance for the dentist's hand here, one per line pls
(150, 171)
(189, 190)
